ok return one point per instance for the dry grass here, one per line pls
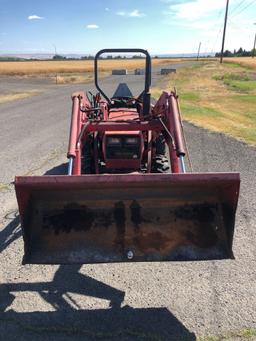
(218, 97)
(4, 187)
(243, 61)
(75, 66)
(72, 78)
(15, 96)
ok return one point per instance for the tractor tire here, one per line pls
(160, 145)
(160, 163)
(88, 162)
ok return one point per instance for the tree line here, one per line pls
(239, 53)
(90, 57)
(61, 57)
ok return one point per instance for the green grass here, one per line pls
(218, 97)
(246, 333)
(243, 76)
(199, 111)
(248, 98)
(189, 96)
(237, 65)
(248, 134)
(238, 81)
(242, 86)
(232, 64)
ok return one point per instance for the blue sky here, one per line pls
(161, 26)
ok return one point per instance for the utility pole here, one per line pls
(254, 45)
(198, 51)
(224, 32)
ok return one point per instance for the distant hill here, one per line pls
(47, 56)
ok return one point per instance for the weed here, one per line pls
(4, 187)
(246, 333)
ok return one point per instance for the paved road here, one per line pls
(159, 301)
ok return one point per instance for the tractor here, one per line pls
(127, 195)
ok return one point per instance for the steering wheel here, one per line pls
(127, 100)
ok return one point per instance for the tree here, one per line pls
(58, 57)
(239, 53)
(227, 53)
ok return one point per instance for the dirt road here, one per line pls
(150, 301)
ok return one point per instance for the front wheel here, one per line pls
(160, 162)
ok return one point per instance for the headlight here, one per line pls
(131, 140)
(114, 140)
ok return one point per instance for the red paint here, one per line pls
(228, 183)
(121, 121)
(73, 128)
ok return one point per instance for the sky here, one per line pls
(160, 26)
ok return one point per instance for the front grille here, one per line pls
(123, 152)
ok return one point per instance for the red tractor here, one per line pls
(127, 196)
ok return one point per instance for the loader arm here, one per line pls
(120, 201)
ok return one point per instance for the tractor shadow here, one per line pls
(70, 321)
(12, 230)
(63, 317)
(61, 169)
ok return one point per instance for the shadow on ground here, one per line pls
(61, 169)
(66, 318)
(12, 231)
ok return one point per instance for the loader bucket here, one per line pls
(116, 218)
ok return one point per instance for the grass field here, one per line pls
(242, 61)
(218, 97)
(26, 68)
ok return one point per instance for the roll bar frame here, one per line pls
(145, 93)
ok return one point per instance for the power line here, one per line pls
(238, 7)
(243, 28)
(243, 9)
(234, 9)
(218, 16)
(206, 46)
(214, 45)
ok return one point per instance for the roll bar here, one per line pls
(145, 93)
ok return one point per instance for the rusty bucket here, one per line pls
(120, 218)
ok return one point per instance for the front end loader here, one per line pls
(127, 196)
